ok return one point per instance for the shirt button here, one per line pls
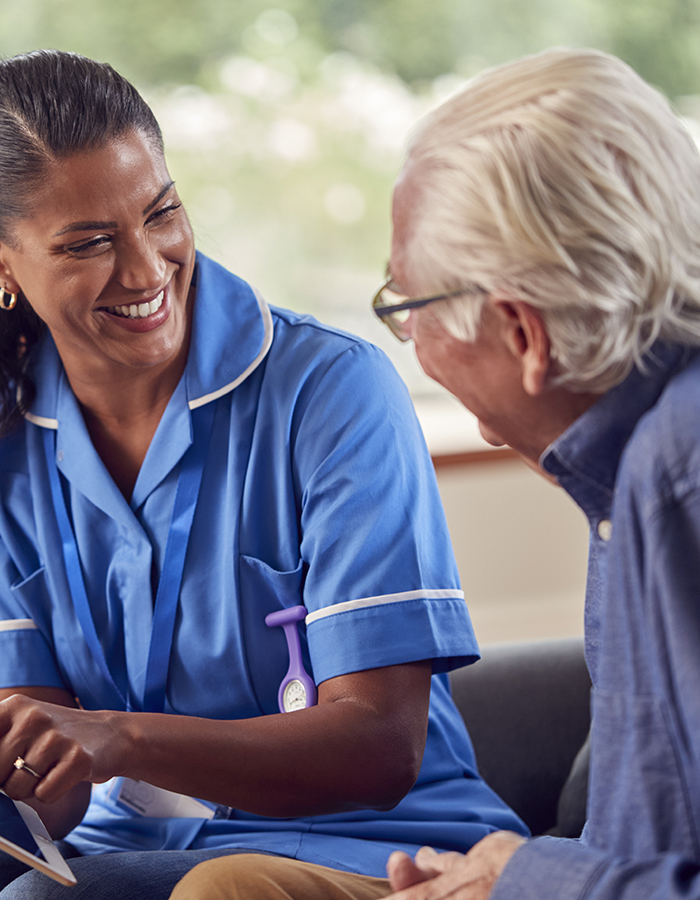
(605, 529)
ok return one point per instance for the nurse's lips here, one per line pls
(138, 310)
(141, 317)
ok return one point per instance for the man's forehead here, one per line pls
(407, 187)
(405, 204)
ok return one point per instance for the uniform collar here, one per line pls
(585, 458)
(231, 335)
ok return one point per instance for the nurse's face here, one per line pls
(105, 258)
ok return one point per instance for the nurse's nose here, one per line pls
(141, 266)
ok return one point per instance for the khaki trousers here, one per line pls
(254, 876)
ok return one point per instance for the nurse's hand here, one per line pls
(437, 876)
(66, 746)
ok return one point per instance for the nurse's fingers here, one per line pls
(9, 711)
(63, 775)
(40, 753)
(23, 780)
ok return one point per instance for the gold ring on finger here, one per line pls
(22, 766)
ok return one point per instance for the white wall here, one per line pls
(521, 546)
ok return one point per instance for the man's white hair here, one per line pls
(564, 180)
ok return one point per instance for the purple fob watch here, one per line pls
(297, 690)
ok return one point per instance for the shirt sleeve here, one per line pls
(382, 585)
(552, 868)
(26, 635)
(26, 658)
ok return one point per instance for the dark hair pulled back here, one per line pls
(52, 104)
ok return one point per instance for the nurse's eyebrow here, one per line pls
(85, 226)
(92, 225)
(160, 196)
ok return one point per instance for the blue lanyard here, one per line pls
(167, 596)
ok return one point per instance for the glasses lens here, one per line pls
(398, 321)
(390, 297)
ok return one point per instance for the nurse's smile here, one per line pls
(143, 316)
(142, 311)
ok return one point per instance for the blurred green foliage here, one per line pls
(285, 120)
(178, 41)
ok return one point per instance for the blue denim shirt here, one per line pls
(632, 462)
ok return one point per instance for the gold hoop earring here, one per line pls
(13, 300)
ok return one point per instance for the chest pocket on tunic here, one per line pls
(264, 590)
(31, 596)
(639, 795)
(28, 586)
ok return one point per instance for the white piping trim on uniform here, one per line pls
(42, 421)
(267, 343)
(17, 625)
(441, 594)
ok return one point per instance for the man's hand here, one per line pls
(436, 876)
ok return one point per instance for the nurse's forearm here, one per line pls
(362, 746)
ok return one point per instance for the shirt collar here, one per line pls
(586, 456)
(231, 335)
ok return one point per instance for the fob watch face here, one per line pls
(294, 696)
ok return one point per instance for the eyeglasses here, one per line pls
(394, 308)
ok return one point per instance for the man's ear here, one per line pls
(526, 336)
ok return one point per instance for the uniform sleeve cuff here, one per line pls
(388, 634)
(25, 660)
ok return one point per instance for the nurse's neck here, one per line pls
(122, 410)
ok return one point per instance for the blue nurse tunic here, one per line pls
(317, 490)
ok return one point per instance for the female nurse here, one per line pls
(178, 462)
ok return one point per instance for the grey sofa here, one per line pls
(526, 707)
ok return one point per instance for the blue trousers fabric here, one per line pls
(109, 876)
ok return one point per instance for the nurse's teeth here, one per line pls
(140, 310)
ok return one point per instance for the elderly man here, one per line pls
(546, 264)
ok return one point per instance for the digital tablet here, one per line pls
(24, 836)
